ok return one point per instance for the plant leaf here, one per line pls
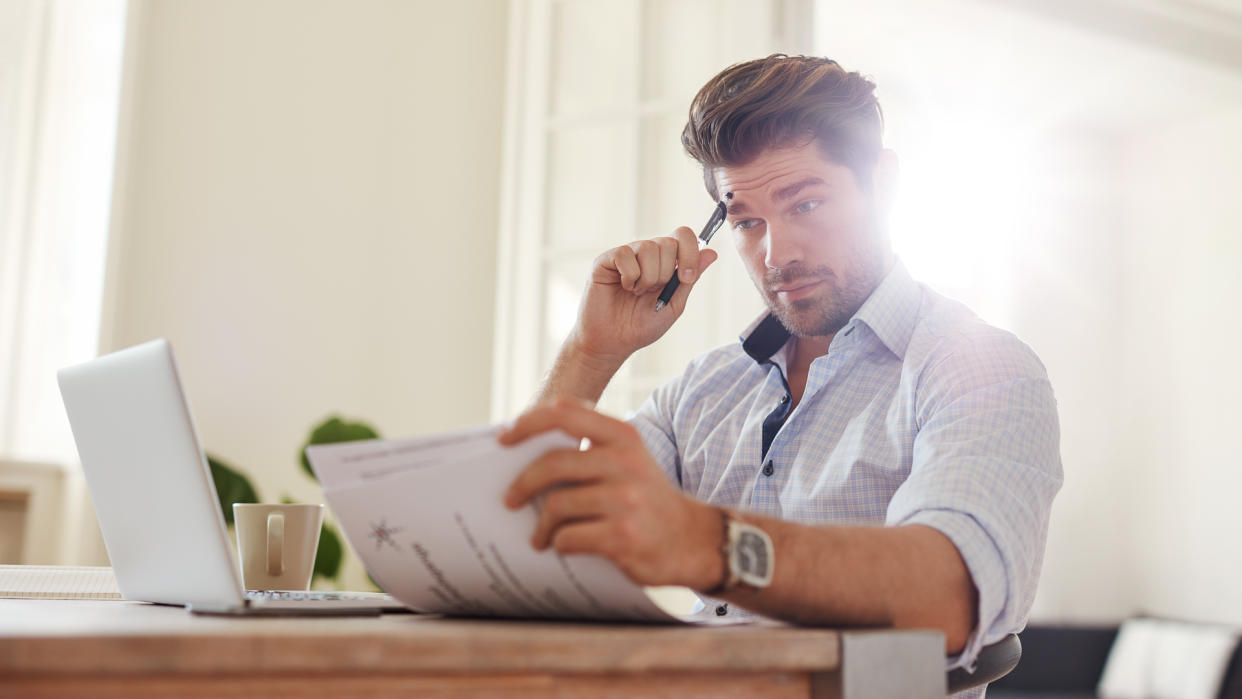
(231, 487)
(328, 558)
(333, 430)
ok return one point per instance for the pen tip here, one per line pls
(659, 305)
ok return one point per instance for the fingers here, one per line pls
(659, 258)
(687, 255)
(656, 259)
(571, 417)
(678, 301)
(590, 536)
(624, 262)
(557, 467)
(570, 506)
(644, 265)
(668, 260)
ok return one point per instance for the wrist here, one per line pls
(711, 567)
(746, 553)
(592, 359)
(578, 373)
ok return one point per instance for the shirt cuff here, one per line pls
(987, 571)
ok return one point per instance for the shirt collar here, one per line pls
(890, 311)
(763, 337)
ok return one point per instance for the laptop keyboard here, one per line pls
(313, 595)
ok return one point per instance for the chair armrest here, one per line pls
(994, 662)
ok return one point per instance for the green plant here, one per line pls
(231, 486)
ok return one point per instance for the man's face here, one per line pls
(808, 234)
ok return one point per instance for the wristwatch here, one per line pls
(748, 556)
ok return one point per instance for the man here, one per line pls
(871, 453)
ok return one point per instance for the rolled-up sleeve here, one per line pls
(654, 422)
(986, 466)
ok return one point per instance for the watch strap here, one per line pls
(727, 578)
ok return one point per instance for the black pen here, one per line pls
(713, 225)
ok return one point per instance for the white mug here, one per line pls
(276, 544)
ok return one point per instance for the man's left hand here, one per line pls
(612, 500)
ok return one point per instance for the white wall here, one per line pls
(308, 212)
(1183, 365)
(1138, 323)
(1067, 302)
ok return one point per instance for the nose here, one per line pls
(783, 248)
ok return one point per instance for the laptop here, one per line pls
(155, 498)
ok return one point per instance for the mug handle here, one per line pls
(275, 543)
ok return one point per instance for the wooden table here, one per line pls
(112, 649)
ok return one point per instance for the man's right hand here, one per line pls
(617, 316)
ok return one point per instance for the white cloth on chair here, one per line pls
(1159, 659)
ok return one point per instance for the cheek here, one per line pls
(853, 215)
(838, 230)
(753, 253)
(837, 217)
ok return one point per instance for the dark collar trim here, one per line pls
(767, 337)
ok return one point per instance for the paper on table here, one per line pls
(58, 582)
(426, 516)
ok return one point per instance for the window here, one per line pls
(60, 66)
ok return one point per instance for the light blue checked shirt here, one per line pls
(920, 413)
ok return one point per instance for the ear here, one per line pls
(884, 179)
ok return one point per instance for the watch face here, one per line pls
(752, 555)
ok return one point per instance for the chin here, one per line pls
(814, 317)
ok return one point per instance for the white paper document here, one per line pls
(426, 517)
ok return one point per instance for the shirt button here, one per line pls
(784, 399)
(722, 610)
(768, 469)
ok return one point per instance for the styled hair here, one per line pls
(782, 101)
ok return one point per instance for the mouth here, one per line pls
(798, 289)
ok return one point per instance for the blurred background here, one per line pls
(386, 211)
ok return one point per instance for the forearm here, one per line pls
(903, 577)
(578, 374)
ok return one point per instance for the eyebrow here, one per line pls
(783, 194)
(792, 190)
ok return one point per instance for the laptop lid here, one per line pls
(149, 479)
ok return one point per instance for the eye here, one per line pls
(807, 206)
(746, 224)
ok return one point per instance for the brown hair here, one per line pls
(778, 101)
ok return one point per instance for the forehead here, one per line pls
(778, 167)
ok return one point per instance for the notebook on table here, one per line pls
(57, 582)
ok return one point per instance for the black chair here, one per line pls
(994, 662)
